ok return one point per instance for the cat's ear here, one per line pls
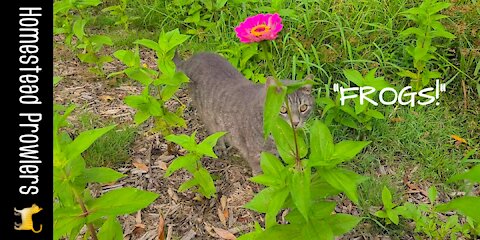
(307, 89)
(270, 81)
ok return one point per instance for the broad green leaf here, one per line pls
(299, 186)
(187, 185)
(320, 210)
(392, 215)
(283, 232)
(79, 28)
(321, 144)
(66, 219)
(359, 108)
(126, 57)
(167, 67)
(472, 175)
(347, 150)
(272, 167)
(84, 140)
(56, 80)
(101, 175)
(275, 205)
(111, 230)
(374, 113)
(148, 43)
(344, 180)
(101, 40)
(141, 117)
(188, 162)
(354, 76)
(206, 146)
(466, 205)
(87, 3)
(119, 201)
(205, 181)
(140, 75)
(273, 103)
(187, 142)
(410, 31)
(284, 139)
(387, 198)
(260, 202)
(342, 223)
(173, 120)
(168, 41)
(432, 194)
(317, 230)
(437, 7)
(169, 91)
(320, 189)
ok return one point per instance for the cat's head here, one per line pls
(35, 208)
(301, 103)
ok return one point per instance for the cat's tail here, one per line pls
(37, 231)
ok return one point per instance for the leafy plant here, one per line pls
(304, 178)
(70, 21)
(390, 210)
(240, 55)
(360, 112)
(120, 12)
(191, 162)
(163, 83)
(428, 28)
(427, 219)
(74, 205)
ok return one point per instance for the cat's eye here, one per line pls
(283, 110)
(303, 108)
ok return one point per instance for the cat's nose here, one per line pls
(295, 124)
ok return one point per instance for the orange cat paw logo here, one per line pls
(27, 222)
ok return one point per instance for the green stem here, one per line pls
(266, 49)
(297, 152)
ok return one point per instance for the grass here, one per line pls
(323, 38)
(112, 148)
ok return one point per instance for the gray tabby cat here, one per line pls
(226, 101)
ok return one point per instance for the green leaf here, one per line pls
(432, 194)
(149, 44)
(188, 162)
(354, 76)
(111, 230)
(387, 198)
(344, 180)
(101, 175)
(168, 41)
(166, 66)
(206, 146)
(272, 166)
(347, 150)
(299, 186)
(187, 185)
(275, 205)
(126, 57)
(260, 202)
(140, 75)
(320, 210)
(321, 144)
(466, 205)
(374, 113)
(472, 175)
(84, 140)
(342, 223)
(118, 202)
(187, 142)
(273, 103)
(320, 189)
(56, 80)
(392, 215)
(79, 28)
(412, 30)
(205, 181)
(284, 139)
(101, 40)
(66, 220)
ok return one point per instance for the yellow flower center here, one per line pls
(260, 30)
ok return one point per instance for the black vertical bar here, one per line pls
(27, 163)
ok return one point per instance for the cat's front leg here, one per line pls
(221, 148)
(16, 212)
(17, 224)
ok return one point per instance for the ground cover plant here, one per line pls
(355, 171)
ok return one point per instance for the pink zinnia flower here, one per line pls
(259, 27)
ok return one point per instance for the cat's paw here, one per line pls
(221, 148)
